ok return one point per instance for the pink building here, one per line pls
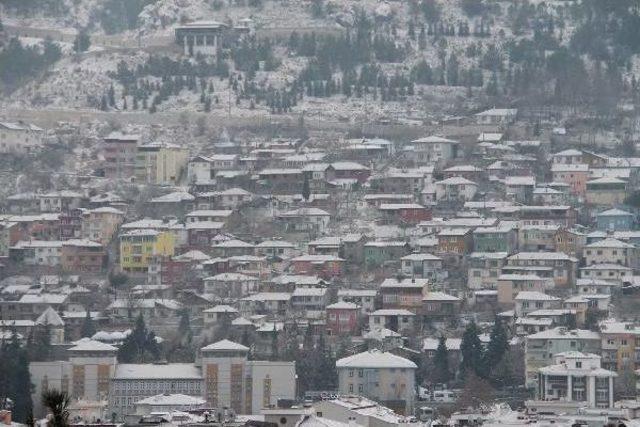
(342, 318)
(576, 175)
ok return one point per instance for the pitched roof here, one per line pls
(49, 317)
(614, 212)
(87, 344)
(225, 345)
(375, 359)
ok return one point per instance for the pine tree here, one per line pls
(82, 42)
(441, 362)
(492, 86)
(498, 345)
(324, 366)
(140, 345)
(88, 328)
(15, 379)
(306, 188)
(452, 70)
(39, 343)
(422, 39)
(184, 328)
(22, 403)
(274, 342)
(111, 94)
(471, 351)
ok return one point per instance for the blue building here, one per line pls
(615, 220)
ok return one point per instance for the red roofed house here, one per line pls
(324, 266)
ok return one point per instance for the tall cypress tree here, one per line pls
(88, 328)
(498, 345)
(471, 351)
(441, 362)
(306, 188)
(15, 379)
(22, 403)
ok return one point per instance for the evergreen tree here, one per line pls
(291, 349)
(492, 86)
(15, 379)
(422, 39)
(82, 42)
(498, 345)
(306, 188)
(274, 342)
(111, 95)
(184, 328)
(452, 70)
(88, 328)
(103, 103)
(471, 351)
(140, 346)
(326, 374)
(411, 32)
(441, 362)
(22, 403)
(39, 343)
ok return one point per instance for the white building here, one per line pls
(577, 377)
(383, 377)
(246, 386)
(38, 252)
(364, 298)
(20, 138)
(200, 37)
(85, 375)
(432, 149)
(455, 189)
(610, 251)
(497, 116)
(529, 301)
(168, 403)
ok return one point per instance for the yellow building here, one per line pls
(161, 164)
(137, 247)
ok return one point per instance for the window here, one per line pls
(360, 388)
(350, 388)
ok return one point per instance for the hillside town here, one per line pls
(223, 224)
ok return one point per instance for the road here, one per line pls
(120, 42)
(49, 118)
